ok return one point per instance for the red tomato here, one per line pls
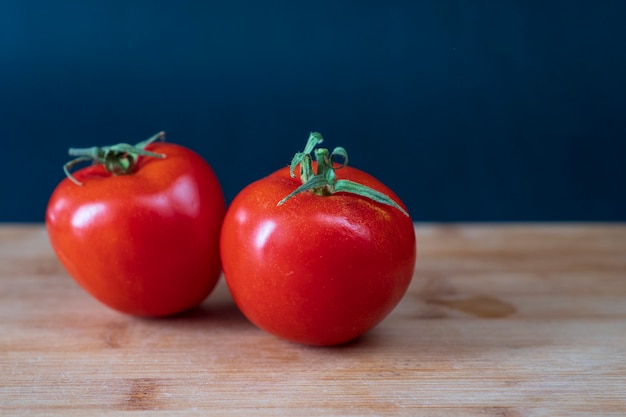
(146, 243)
(319, 270)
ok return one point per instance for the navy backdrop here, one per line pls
(470, 111)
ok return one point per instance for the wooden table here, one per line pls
(500, 320)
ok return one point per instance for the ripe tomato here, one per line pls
(146, 243)
(316, 269)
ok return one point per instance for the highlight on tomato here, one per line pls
(317, 255)
(139, 229)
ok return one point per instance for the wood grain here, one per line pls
(500, 320)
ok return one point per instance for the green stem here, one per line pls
(324, 182)
(118, 159)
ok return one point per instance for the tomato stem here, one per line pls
(118, 159)
(325, 182)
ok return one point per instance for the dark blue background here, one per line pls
(470, 111)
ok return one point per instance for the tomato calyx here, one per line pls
(118, 159)
(325, 182)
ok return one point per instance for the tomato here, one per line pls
(146, 243)
(322, 267)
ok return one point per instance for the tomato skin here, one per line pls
(318, 270)
(146, 243)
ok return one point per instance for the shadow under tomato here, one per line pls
(224, 314)
(218, 309)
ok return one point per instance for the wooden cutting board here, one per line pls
(500, 320)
